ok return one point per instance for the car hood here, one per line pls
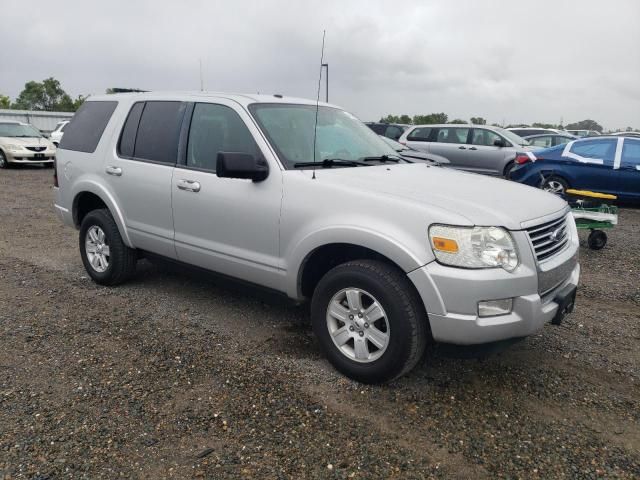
(480, 199)
(25, 141)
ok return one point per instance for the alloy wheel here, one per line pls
(97, 249)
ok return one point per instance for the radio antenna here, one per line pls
(315, 126)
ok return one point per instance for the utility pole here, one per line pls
(326, 79)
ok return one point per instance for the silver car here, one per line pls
(308, 201)
(474, 148)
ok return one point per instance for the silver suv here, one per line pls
(391, 254)
(474, 148)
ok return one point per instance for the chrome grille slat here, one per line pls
(541, 238)
(545, 226)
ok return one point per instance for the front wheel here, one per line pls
(3, 160)
(597, 240)
(369, 321)
(105, 256)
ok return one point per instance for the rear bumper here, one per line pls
(454, 290)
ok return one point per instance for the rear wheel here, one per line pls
(105, 256)
(369, 321)
(553, 184)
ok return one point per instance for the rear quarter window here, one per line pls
(84, 131)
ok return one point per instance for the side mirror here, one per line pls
(241, 165)
(498, 142)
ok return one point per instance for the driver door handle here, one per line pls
(189, 185)
(462, 148)
(115, 171)
(473, 148)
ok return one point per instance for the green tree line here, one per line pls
(46, 95)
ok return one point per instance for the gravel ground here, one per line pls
(179, 374)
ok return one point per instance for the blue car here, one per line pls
(600, 164)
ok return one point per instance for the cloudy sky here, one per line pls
(509, 61)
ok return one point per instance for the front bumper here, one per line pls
(451, 296)
(27, 156)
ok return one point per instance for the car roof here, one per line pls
(244, 99)
(461, 125)
(551, 134)
(12, 122)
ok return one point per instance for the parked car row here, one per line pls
(21, 143)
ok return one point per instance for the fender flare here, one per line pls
(373, 240)
(97, 189)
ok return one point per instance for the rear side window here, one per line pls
(452, 135)
(87, 126)
(214, 129)
(420, 134)
(159, 131)
(128, 135)
(596, 149)
(631, 154)
(393, 132)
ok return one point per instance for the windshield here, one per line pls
(340, 135)
(512, 137)
(18, 130)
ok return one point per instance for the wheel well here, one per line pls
(324, 258)
(507, 167)
(83, 204)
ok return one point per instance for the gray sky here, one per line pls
(517, 61)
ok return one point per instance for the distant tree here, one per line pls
(543, 125)
(478, 121)
(390, 119)
(109, 91)
(585, 125)
(432, 118)
(457, 120)
(46, 95)
(78, 101)
(496, 125)
(5, 102)
(517, 125)
(405, 119)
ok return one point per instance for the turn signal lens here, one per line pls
(445, 244)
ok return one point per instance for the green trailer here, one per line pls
(593, 211)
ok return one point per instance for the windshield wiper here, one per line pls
(330, 162)
(382, 158)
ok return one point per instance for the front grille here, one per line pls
(549, 238)
(37, 149)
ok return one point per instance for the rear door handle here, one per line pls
(115, 171)
(189, 185)
(473, 148)
(462, 148)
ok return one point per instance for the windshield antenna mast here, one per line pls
(315, 126)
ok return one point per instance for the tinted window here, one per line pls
(546, 141)
(158, 132)
(562, 140)
(87, 125)
(378, 128)
(128, 135)
(631, 154)
(596, 149)
(420, 134)
(393, 132)
(484, 137)
(452, 135)
(216, 128)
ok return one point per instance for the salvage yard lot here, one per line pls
(179, 373)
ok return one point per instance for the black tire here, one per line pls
(408, 327)
(597, 240)
(555, 184)
(122, 259)
(3, 160)
(507, 169)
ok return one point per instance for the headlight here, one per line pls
(14, 148)
(473, 247)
